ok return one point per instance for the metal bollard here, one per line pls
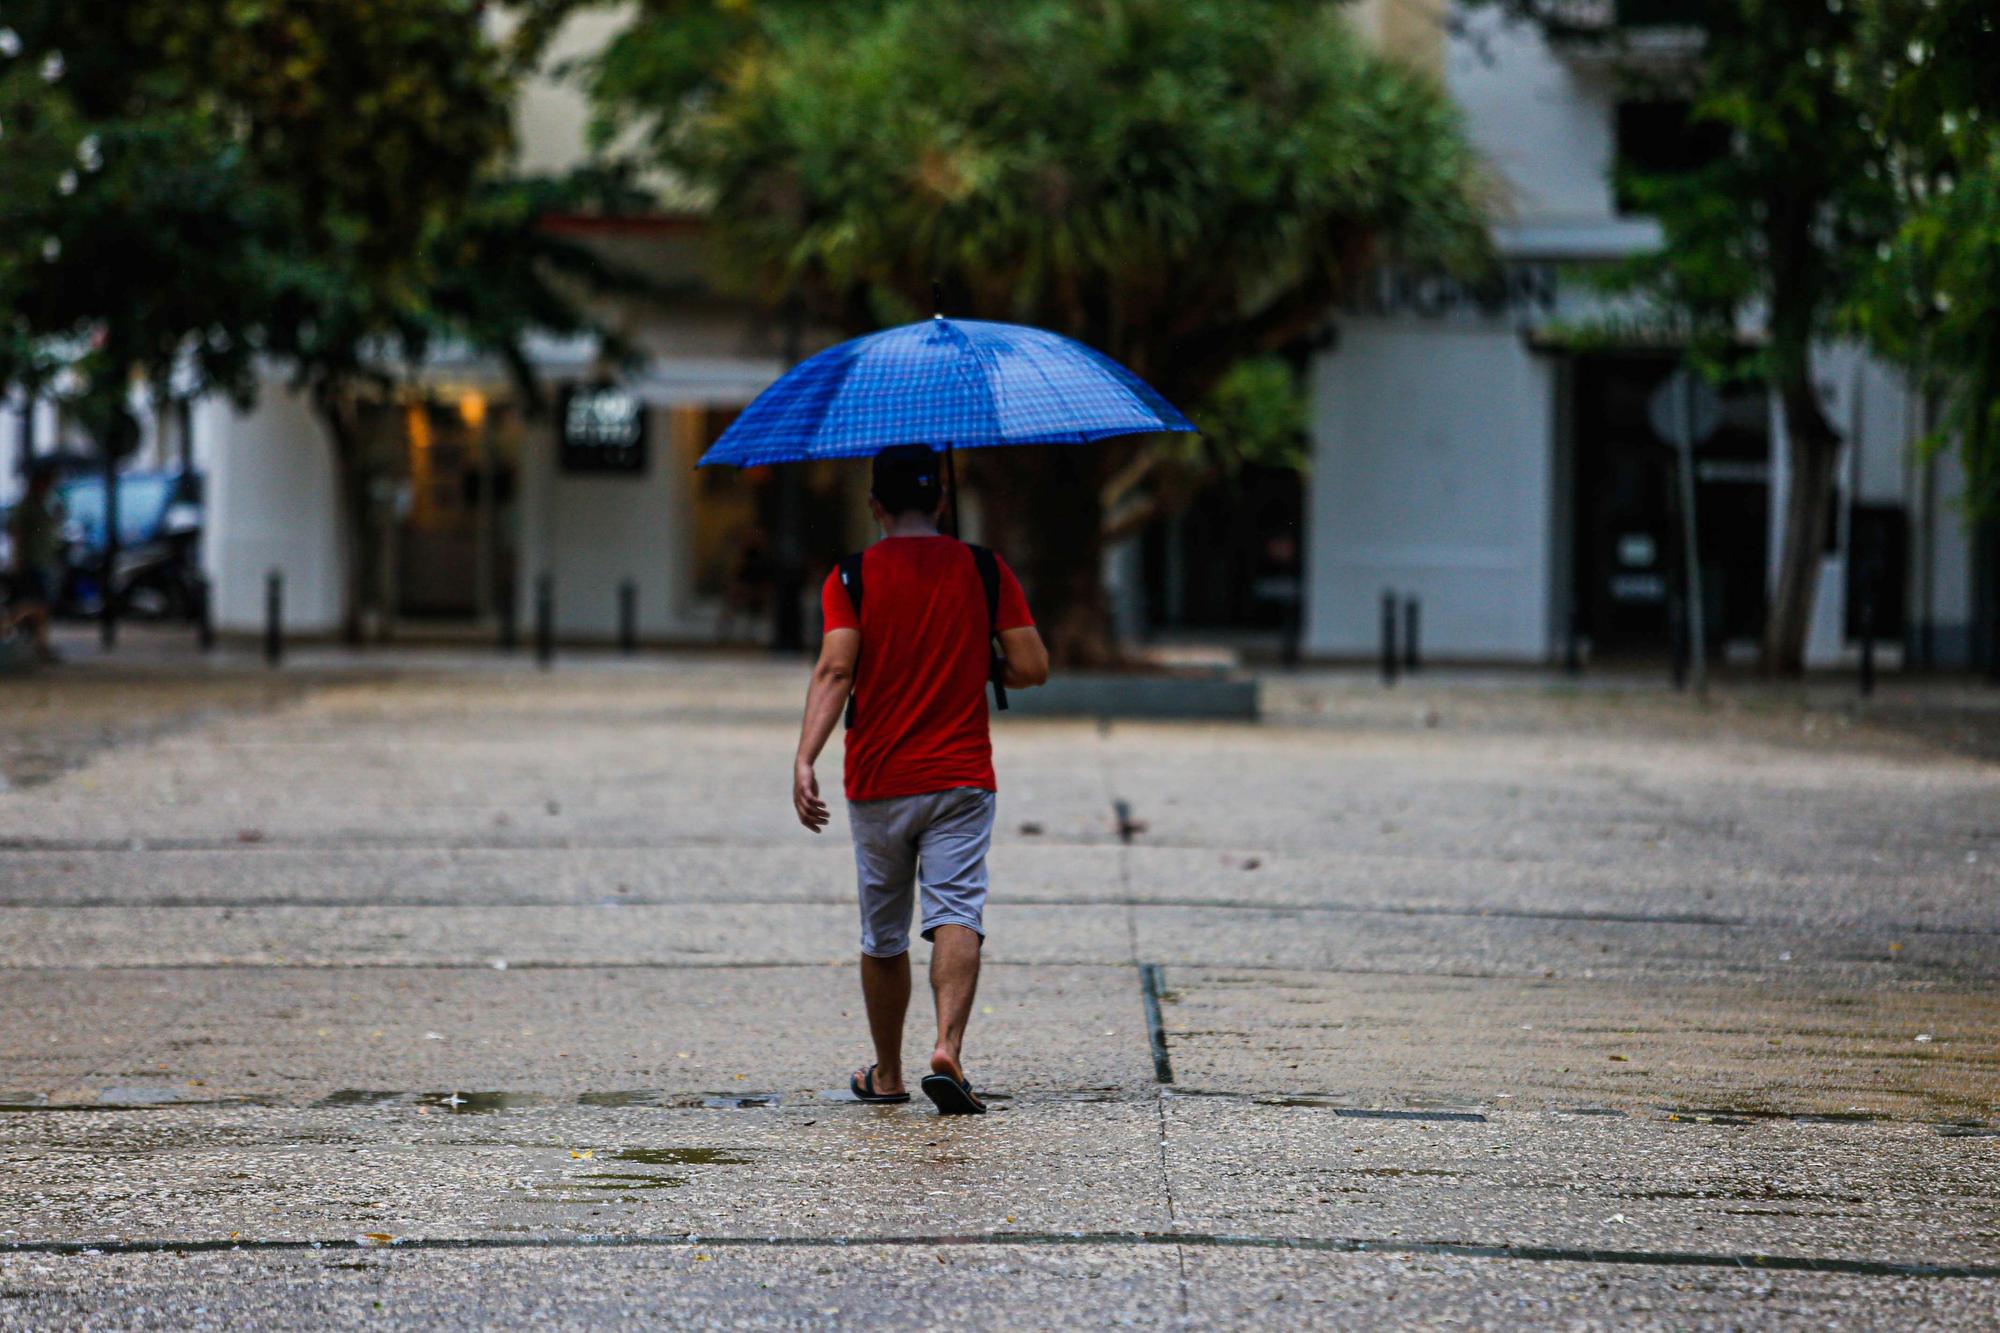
(274, 618)
(1410, 626)
(1677, 641)
(545, 621)
(628, 617)
(1388, 637)
(1865, 614)
(204, 614)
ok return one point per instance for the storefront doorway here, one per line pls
(445, 531)
(1627, 564)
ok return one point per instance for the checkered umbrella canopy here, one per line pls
(961, 383)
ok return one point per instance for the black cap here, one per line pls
(906, 479)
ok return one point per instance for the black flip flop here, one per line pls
(952, 1096)
(866, 1092)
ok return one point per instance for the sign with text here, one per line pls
(603, 429)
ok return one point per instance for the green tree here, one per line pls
(1932, 301)
(319, 184)
(1184, 184)
(487, 276)
(1776, 232)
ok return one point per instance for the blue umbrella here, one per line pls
(956, 383)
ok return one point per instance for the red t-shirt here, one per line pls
(920, 686)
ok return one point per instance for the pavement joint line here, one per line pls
(1604, 976)
(1220, 904)
(1156, 1031)
(1784, 1263)
(666, 1099)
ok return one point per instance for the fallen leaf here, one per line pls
(375, 1238)
(1621, 1059)
(583, 1155)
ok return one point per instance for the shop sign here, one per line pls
(1521, 289)
(603, 429)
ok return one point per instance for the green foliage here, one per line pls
(1932, 300)
(259, 169)
(1179, 183)
(1185, 184)
(1255, 414)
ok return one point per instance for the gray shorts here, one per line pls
(937, 841)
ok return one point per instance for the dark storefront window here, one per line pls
(1232, 560)
(1628, 571)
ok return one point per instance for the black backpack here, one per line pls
(989, 578)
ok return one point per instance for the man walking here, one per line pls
(909, 629)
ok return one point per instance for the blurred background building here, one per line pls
(1461, 454)
(1521, 490)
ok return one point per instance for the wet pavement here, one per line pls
(408, 989)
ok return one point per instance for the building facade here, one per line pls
(1525, 493)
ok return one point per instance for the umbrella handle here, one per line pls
(951, 485)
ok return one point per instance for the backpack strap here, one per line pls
(850, 579)
(988, 565)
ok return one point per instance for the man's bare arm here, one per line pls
(1027, 658)
(832, 682)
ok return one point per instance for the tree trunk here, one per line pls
(1055, 515)
(351, 490)
(1812, 451)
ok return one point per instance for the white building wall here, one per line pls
(1545, 124)
(1432, 476)
(1951, 573)
(592, 532)
(271, 505)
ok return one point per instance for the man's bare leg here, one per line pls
(885, 987)
(954, 981)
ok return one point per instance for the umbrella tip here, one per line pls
(937, 300)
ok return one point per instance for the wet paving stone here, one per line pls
(465, 993)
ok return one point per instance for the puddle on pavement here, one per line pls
(677, 1157)
(128, 1098)
(1371, 1113)
(483, 1103)
(1742, 1115)
(626, 1097)
(454, 1103)
(741, 1101)
(618, 1181)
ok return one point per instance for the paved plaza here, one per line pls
(431, 989)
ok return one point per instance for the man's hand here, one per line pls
(832, 680)
(805, 796)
